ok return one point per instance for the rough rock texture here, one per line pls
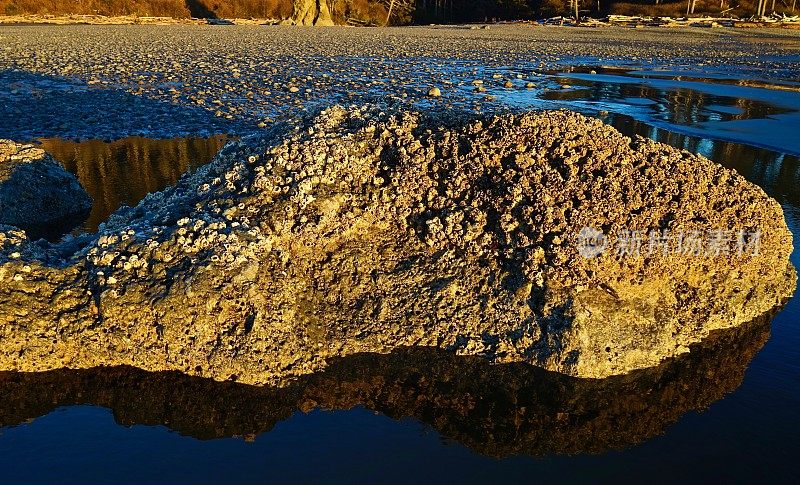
(311, 12)
(497, 410)
(365, 231)
(36, 191)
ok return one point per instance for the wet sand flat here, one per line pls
(163, 81)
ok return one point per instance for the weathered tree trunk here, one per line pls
(389, 15)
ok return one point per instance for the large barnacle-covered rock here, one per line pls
(517, 238)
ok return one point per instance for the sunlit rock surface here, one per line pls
(368, 231)
(36, 192)
(311, 12)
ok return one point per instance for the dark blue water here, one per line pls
(727, 413)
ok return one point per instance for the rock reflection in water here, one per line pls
(125, 171)
(679, 105)
(497, 410)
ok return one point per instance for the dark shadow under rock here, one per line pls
(34, 106)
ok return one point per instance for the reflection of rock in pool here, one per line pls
(497, 410)
(125, 171)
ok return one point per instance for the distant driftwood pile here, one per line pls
(122, 20)
(775, 20)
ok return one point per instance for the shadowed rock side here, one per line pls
(37, 193)
(365, 231)
(497, 410)
(199, 10)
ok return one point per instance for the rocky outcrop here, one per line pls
(368, 231)
(311, 12)
(497, 410)
(36, 193)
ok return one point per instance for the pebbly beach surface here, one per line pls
(108, 82)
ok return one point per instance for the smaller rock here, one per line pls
(435, 92)
(37, 194)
